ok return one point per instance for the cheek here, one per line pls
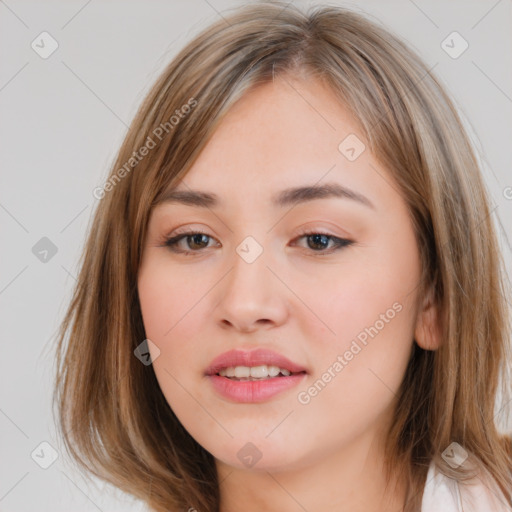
(172, 309)
(367, 308)
(359, 370)
(168, 300)
(175, 310)
(363, 292)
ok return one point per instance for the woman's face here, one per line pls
(339, 303)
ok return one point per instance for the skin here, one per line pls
(327, 453)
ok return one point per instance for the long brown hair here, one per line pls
(112, 414)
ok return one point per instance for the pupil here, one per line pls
(197, 237)
(323, 240)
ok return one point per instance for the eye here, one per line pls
(318, 242)
(196, 241)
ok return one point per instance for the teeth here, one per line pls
(273, 371)
(257, 372)
(242, 371)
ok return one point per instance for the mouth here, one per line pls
(255, 376)
(258, 364)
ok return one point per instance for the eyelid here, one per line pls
(302, 231)
(330, 230)
(186, 229)
(308, 230)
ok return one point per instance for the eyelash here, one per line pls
(340, 243)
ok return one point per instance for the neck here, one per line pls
(351, 479)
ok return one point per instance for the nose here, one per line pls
(251, 296)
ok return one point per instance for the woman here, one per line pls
(291, 296)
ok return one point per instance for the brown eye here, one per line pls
(195, 242)
(319, 242)
(199, 241)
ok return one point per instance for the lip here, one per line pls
(253, 358)
(257, 390)
(254, 391)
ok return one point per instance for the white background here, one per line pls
(62, 120)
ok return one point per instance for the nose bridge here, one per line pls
(249, 292)
(249, 265)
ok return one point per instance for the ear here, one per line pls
(427, 332)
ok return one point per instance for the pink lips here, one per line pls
(257, 390)
(252, 358)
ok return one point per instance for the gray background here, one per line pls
(61, 122)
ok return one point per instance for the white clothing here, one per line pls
(444, 494)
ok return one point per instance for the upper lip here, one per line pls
(252, 358)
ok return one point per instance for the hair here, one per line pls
(112, 414)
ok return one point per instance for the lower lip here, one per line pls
(254, 391)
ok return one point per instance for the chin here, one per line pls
(257, 453)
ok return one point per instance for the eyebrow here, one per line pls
(284, 198)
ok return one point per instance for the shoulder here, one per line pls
(444, 494)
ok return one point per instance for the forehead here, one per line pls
(280, 133)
